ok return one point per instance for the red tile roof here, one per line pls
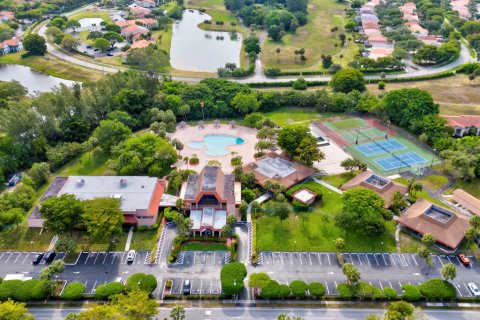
(463, 121)
(156, 197)
(12, 42)
(141, 44)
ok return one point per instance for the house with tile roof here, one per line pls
(463, 125)
(133, 31)
(11, 45)
(140, 12)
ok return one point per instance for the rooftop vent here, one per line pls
(123, 182)
(81, 182)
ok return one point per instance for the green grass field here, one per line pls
(292, 116)
(91, 14)
(144, 240)
(53, 67)
(337, 180)
(318, 231)
(200, 246)
(84, 165)
(434, 182)
(472, 187)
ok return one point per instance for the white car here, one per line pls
(473, 287)
(131, 256)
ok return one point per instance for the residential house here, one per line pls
(463, 125)
(446, 226)
(6, 16)
(140, 12)
(133, 31)
(139, 44)
(11, 45)
(146, 3)
(147, 23)
(382, 186)
(209, 196)
(139, 196)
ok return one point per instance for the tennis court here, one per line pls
(380, 146)
(403, 160)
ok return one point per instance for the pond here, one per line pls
(88, 22)
(194, 49)
(29, 78)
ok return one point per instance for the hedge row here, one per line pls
(319, 73)
(24, 290)
(74, 291)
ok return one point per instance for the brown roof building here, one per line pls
(467, 201)
(446, 226)
(462, 125)
(384, 187)
(275, 168)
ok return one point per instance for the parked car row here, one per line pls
(49, 256)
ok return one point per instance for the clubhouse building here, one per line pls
(463, 125)
(209, 197)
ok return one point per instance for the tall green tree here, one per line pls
(103, 217)
(347, 80)
(35, 45)
(62, 214)
(449, 271)
(246, 103)
(39, 173)
(101, 43)
(135, 305)
(111, 132)
(10, 310)
(177, 313)
(352, 274)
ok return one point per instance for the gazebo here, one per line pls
(216, 123)
(182, 125)
(233, 124)
(201, 124)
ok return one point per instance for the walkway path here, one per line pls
(327, 185)
(129, 239)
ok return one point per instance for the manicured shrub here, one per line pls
(271, 290)
(390, 293)
(345, 291)
(300, 84)
(105, 291)
(41, 290)
(284, 291)
(299, 288)
(73, 291)
(411, 292)
(364, 290)
(145, 282)
(194, 160)
(232, 276)
(438, 289)
(8, 289)
(168, 214)
(377, 293)
(316, 289)
(24, 290)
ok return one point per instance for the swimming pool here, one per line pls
(216, 144)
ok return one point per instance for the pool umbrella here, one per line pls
(233, 124)
(216, 123)
(182, 125)
(201, 124)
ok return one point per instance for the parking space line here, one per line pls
(384, 260)
(392, 258)
(28, 253)
(211, 282)
(93, 289)
(440, 259)
(468, 290)
(457, 286)
(19, 254)
(310, 258)
(381, 286)
(359, 259)
(375, 256)
(88, 256)
(106, 255)
(404, 261)
(11, 253)
(96, 257)
(390, 284)
(114, 256)
(273, 258)
(2, 255)
(328, 256)
(414, 260)
(319, 259)
(194, 256)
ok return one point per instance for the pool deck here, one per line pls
(193, 133)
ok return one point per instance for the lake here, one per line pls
(88, 22)
(194, 49)
(29, 78)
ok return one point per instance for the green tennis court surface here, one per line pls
(347, 124)
(364, 134)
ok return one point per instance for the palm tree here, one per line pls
(414, 185)
(186, 160)
(296, 54)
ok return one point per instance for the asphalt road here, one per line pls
(270, 313)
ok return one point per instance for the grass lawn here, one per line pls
(472, 187)
(337, 180)
(201, 246)
(53, 67)
(423, 194)
(82, 165)
(434, 182)
(83, 36)
(317, 233)
(315, 37)
(23, 238)
(91, 14)
(144, 240)
(456, 95)
(216, 9)
(292, 116)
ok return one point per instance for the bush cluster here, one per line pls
(145, 282)
(74, 291)
(23, 290)
(232, 276)
(438, 289)
(107, 290)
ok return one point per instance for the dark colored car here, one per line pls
(464, 259)
(38, 257)
(89, 47)
(50, 256)
(109, 55)
(186, 287)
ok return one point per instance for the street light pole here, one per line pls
(202, 105)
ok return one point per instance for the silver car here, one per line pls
(131, 256)
(473, 287)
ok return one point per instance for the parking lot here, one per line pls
(109, 258)
(198, 286)
(190, 258)
(23, 258)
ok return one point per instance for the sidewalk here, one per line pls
(326, 185)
